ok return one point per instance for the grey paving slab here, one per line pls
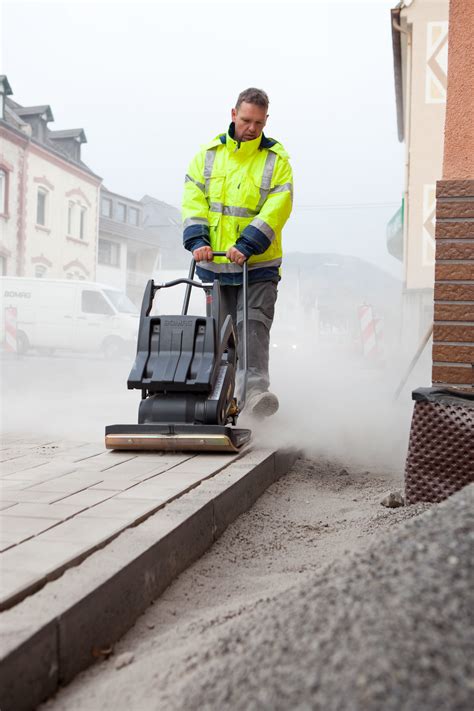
(86, 498)
(137, 467)
(103, 461)
(93, 496)
(6, 505)
(41, 555)
(16, 538)
(27, 495)
(93, 604)
(91, 530)
(105, 476)
(87, 504)
(15, 581)
(66, 484)
(21, 448)
(81, 452)
(61, 446)
(206, 464)
(7, 452)
(57, 511)
(131, 509)
(26, 567)
(174, 476)
(40, 473)
(11, 525)
(114, 485)
(157, 490)
(11, 466)
(12, 485)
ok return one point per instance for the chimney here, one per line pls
(5, 90)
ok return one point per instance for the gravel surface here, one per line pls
(388, 629)
(317, 598)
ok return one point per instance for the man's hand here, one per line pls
(203, 254)
(235, 256)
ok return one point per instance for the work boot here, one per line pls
(262, 404)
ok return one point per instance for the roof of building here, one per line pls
(159, 213)
(35, 111)
(105, 192)
(16, 118)
(69, 133)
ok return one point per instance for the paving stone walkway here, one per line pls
(60, 501)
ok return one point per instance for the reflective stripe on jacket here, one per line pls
(238, 194)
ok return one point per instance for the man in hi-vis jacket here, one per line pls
(237, 197)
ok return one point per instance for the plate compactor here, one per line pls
(185, 368)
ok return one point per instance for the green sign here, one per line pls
(395, 233)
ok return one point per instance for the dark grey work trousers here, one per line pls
(262, 296)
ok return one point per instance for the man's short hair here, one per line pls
(253, 96)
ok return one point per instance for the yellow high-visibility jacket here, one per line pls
(238, 194)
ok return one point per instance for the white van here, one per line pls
(68, 314)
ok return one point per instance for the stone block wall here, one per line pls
(453, 334)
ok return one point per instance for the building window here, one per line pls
(3, 192)
(93, 302)
(121, 211)
(70, 218)
(82, 223)
(3, 265)
(106, 207)
(109, 253)
(133, 216)
(41, 206)
(40, 271)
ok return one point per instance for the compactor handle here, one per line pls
(245, 285)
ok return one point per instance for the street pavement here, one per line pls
(60, 500)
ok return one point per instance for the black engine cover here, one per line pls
(191, 407)
(185, 365)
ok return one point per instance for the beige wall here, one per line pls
(424, 66)
(11, 155)
(62, 251)
(30, 247)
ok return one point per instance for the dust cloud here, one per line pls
(336, 394)
(335, 400)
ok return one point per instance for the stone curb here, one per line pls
(54, 634)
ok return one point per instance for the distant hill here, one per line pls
(339, 283)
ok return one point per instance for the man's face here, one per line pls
(250, 120)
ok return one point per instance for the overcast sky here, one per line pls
(151, 81)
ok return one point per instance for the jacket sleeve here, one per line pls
(257, 237)
(195, 208)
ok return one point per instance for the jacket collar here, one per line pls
(245, 148)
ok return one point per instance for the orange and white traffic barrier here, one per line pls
(11, 343)
(367, 331)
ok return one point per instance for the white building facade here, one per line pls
(49, 199)
(420, 51)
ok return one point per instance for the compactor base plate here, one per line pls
(176, 438)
